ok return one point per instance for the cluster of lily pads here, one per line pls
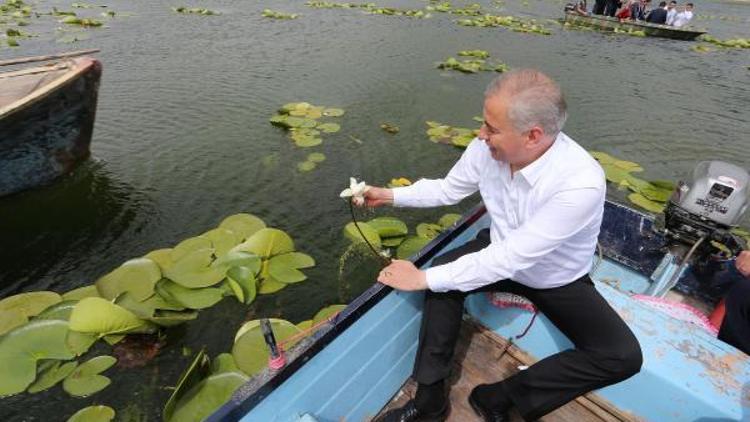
(731, 43)
(391, 234)
(511, 22)
(474, 9)
(390, 128)
(473, 65)
(370, 8)
(241, 257)
(312, 161)
(194, 11)
(206, 384)
(13, 12)
(268, 13)
(301, 120)
(445, 134)
(630, 31)
(650, 195)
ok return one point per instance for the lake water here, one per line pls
(182, 140)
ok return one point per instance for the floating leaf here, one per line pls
(326, 313)
(245, 225)
(113, 339)
(390, 128)
(401, 181)
(99, 316)
(60, 311)
(268, 13)
(137, 276)
(203, 399)
(306, 166)
(250, 351)
(410, 246)
(389, 227)
(80, 343)
(392, 242)
(11, 319)
(372, 236)
(305, 325)
(428, 230)
(602, 157)
(222, 240)
(645, 203)
(198, 369)
(93, 414)
(148, 307)
(238, 259)
(194, 11)
(51, 376)
(316, 157)
(270, 286)
(172, 318)
(81, 292)
(266, 243)
(448, 220)
(194, 270)
(244, 277)
(190, 298)
(333, 112)
(21, 348)
(328, 127)
(224, 363)
(85, 379)
(306, 141)
(284, 268)
(190, 245)
(162, 257)
(29, 304)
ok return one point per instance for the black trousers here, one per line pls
(605, 352)
(598, 7)
(735, 329)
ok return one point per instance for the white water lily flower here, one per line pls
(356, 191)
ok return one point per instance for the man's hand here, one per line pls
(403, 275)
(376, 197)
(743, 263)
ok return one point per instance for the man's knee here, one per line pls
(623, 362)
(738, 297)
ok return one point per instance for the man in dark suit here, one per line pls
(658, 15)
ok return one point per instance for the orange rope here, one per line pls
(305, 333)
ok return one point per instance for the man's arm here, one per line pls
(743, 263)
(564, 215)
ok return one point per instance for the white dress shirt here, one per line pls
(682, 18)
(671, 14)
(545, 219)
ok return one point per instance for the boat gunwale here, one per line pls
(594, 18)
(81, 66)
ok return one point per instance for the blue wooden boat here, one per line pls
(46, 121)
(361, 361)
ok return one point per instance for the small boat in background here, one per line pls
(606, 23)
(46, 118)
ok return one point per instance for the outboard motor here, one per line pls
(701, 214)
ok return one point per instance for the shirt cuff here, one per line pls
(439, 279)
(403, 196)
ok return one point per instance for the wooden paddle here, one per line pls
(45, 58)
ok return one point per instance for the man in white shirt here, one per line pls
(683, 17)
(671, 12)
(545, 196)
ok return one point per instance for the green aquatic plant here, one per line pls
(312, 161)
(481, 54)
(730, 43)
(268, 13)
(700, 48)
(456, 136)
(85, 379)
(194, 11)
(301, 120)
(399, 182)
(250, 351)
(85, 22)
(472, 65)
(93, 414)
(512, 22)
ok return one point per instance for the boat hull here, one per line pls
(46, 136)
(606, 23)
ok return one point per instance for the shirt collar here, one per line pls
(534, 171)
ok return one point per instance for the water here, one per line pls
(182, 140)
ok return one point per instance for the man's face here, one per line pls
(506, 144)
(689, 8)
(670, 6)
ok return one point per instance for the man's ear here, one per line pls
(535, 137)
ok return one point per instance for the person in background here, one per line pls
(684, 16)
(671, 12)
(581, 8)
(638, 9)
(658, 15)
(735, 329)
(599, 7)
(626, 10)
(611, 6)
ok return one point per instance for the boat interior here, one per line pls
(18, 84)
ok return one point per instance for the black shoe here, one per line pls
(488, 415)
(410, 413)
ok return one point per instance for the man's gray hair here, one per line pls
(534, 99)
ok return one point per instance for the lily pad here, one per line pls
(190, 245)
(306, 166)
(448, 220)
(198, 369)
(326, 313)
(162, 257)
(51, 376)
(189, 298)
(250, 351)
(172, 318)
(194, 270)
(85, 379)
(333, 112)
(304, 140)
(244, 278)
(389, 227)
(224, 362)
(222, 240)
(137, 276)
(410, 246)
(372, 236)
(328, 127)
(266, 243)
(238, 259)
(21, 348)
(148, 307)
(11, 319)
(316, 157)
(244, 225)
(399, 182)
(429, 230)
(80, 343)
(269, 286)
(93, 414)
(100, 316)
(203, 399)
(60, 311)
(390, 128)
(29, 304)
(305, 325)
(392, 242)
(285, 268)
(645, 203)
(81, 292)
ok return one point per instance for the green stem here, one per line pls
(386, 261)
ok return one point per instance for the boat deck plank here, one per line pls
(478, 361)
